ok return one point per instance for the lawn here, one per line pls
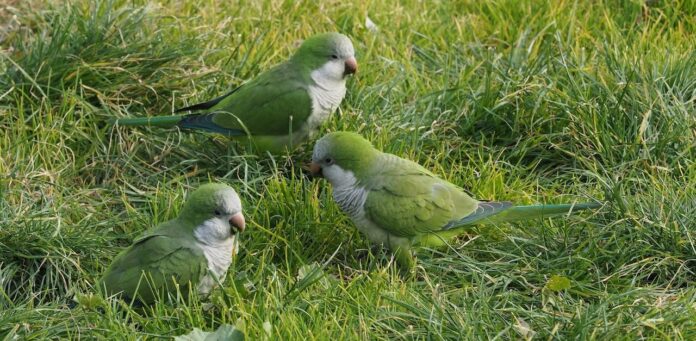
(526, 101)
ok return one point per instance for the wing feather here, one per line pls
(407, 200)
(155, 264)
(277, 102)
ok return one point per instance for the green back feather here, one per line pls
(155, 265)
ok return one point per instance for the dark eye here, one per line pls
(329, 161)
(333, 56)
(217, 212)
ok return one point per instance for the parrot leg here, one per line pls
(404, 257)
(401, 248)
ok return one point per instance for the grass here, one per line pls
(530, 101)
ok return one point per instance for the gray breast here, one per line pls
(351, 200)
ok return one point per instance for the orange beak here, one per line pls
(315, 170)
(351, 66)
(238, 221)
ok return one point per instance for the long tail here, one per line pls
(156, 121)
(488, 213)
(516, 213)
(203, 122)
(497, 212)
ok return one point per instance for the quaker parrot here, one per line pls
(280, 108)
(398, 203)
(191, 252)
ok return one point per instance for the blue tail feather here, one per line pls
(205, 122)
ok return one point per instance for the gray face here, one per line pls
(215, 202)
(320, 151)
(344, 48)
(338, 58)
(227, 202)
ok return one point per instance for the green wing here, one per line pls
(277, 102)
(406, 200)
(165, 260)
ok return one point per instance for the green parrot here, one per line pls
(280, 108)
(192, 251)
(398, 203)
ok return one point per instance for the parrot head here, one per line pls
(342, 157)
(216, 203)
(331, 53)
